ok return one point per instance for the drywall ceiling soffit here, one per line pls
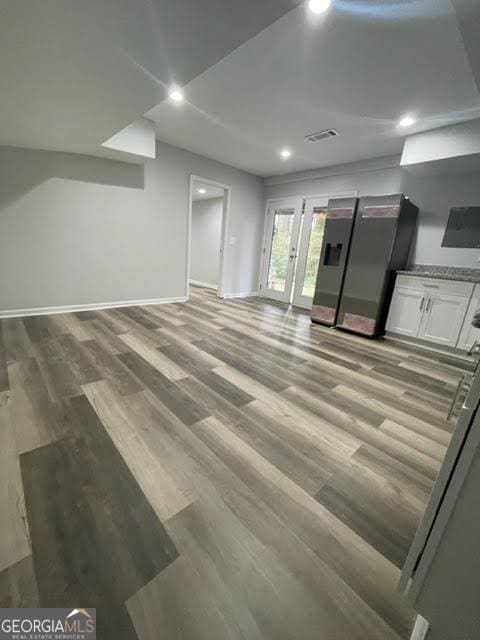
(468, 14)
(446, 167)
(138, 139)
(453, 149)
(356, 69)
(72, 74)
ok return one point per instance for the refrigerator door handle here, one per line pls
(422, 303)
(474, 348)
(428, 304)
(455, 397)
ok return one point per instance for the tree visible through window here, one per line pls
(314, 249)
(280, 250)
(282, 230)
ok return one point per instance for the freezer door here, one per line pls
(333, 258)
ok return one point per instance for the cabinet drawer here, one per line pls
(435, 285)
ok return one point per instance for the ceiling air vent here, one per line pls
(321, 135)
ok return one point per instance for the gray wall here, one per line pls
(81, 230)
(433, 195)
(206, 237)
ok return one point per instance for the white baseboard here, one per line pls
(246, 294)
(420, 629)
(94, 306)
(428, 346)
(208, 285)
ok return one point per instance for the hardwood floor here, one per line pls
(215, 469)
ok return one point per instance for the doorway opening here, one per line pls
(208, 217)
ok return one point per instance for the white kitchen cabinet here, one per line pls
(406, 311)
(433, 310)
(469, 334)
(443, 319)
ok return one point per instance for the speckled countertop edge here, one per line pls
(462, 274)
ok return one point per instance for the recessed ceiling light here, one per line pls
(319, 6)
(285, 153)
(176, 95)
(407, 121)
(202, 191)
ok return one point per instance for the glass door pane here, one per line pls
(313, 251)
(313, 226)
(280, 249)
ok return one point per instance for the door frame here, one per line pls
(223, 236)
(303, 197)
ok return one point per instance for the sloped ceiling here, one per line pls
(74, 72)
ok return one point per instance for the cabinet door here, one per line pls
(443, 319)
(469, 334)
(406, 311)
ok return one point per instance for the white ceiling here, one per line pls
(357, 69)
(75, 72)
(210, 191)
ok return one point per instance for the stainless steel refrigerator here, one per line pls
(381, 239)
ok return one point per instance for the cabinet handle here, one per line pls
(428, 304)
(422, 303)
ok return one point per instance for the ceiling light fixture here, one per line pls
(319, 6)
(407, 121)
(285, 153)
(202, 191)
(176, 95)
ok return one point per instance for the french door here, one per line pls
(281, 236)
(293, 242)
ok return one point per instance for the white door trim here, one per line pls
(224, 234)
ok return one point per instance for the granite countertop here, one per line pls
(442, 273)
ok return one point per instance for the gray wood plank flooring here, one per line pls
(215, 469)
